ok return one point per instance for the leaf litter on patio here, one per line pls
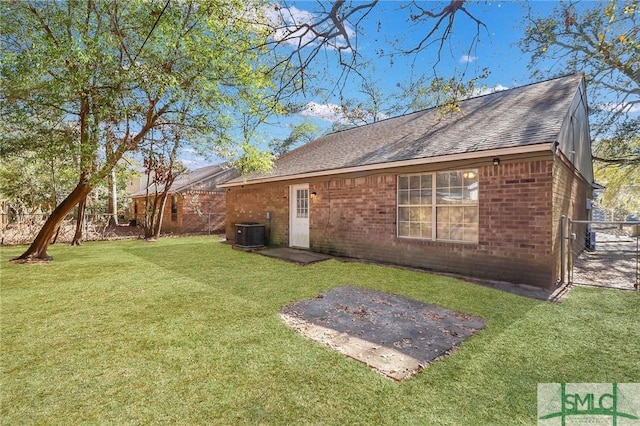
(391, 334)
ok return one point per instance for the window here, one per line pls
(415, 198)
(302, 203)
(174, 208)
(439, 206)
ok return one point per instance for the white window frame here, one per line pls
(434, 206)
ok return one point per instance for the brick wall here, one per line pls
(516, 223)
(570, 194)
(203, 211)
(251, 204)
(197, 212)
(356, 217)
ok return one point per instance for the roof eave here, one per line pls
(541, 147)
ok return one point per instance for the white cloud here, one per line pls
(488, 90)
(327, 112)
(466, 59)
(334, 114)
(288, 21)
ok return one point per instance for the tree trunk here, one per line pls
(150, 216)
(112, 208)
(158, 224)
(77, 237)
(38, 248)
(55, 237)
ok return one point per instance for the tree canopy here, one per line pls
(603, 41)
(117, 69)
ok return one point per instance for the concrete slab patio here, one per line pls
(393, 335)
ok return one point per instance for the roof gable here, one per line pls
(202, 179)
(518, 117)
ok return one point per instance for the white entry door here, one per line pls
(299, 216)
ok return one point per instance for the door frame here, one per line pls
(292, 215)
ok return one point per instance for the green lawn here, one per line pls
(187, 331)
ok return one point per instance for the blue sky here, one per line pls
(496, 49)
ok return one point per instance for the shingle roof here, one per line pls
(205, 178)
(517, 117)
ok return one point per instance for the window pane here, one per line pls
(455, 214)
(471, 215)
(425, 215)
(457, 223)
(455, 178)
(403, 229)
(403, 182)
(302, 203)
(414, 215)
(414, 182)
(403, 214)
(470, 234)
(427, 230)
(470, 194)
(414, 196)
(442, 180)
(470, 177)
(442, 231)
(403, 197)
(456, 233)
(455, 195)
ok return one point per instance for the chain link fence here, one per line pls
(22, 228)
(609, 257)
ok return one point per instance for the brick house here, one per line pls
(479, 192)
(194, 204)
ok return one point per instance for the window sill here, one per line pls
(430, 240)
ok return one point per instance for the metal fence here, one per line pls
(23, 228)
(601, 253)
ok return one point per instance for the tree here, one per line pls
(373, 105)
(335, 27)
(30, 183)
(621, 178)
(603, 41)
(162, 168)
(118, 69)
(300, 134)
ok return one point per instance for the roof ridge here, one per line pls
(426, 110)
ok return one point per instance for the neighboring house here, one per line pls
(479, 192)
(194, 203)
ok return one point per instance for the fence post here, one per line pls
(563, 252)
(570, 247)
(637, 286)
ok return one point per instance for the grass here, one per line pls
(187, 331)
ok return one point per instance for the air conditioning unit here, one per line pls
(249, 235)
